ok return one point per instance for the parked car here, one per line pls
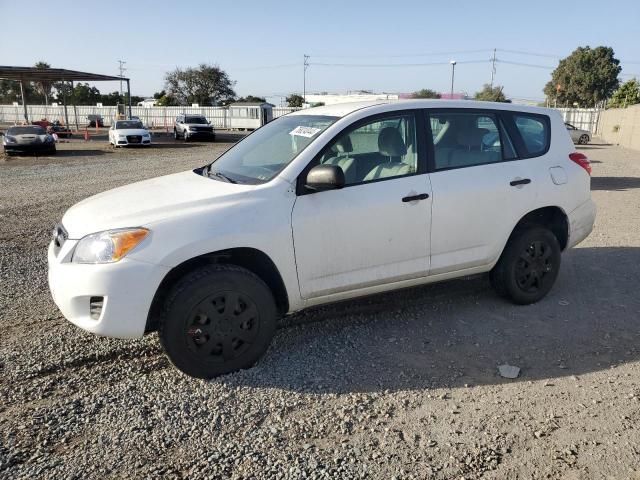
(95, 119)
(191, 127)
(128, 132)
(28, 139)
(59, 129)
(318, 206)
(581, 137)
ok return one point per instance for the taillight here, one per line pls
(582, 160)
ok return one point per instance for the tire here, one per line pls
(185, 137)
(175, 134)
(202, 337)
(583, 140)
(53, 150)
(528, 266)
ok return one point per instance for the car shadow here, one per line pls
(614, 183)
(456, 333)
(80, 153)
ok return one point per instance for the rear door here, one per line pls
(481, 187)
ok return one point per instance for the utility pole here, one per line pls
(453, 72)
(493, 68)
(122, 70)
(304, 78)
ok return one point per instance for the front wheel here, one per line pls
(175, 134)
(217, 320)
(528, 266)
(584, 139)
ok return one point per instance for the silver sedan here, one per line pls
(581, 137)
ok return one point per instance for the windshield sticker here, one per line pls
(301, 131)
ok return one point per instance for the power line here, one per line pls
(533, 54)
(430, 54)
(546, 67)
(357, 65)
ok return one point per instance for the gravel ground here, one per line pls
(402, 385)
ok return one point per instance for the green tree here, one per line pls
(205, 85)
(425, 93)
(295, 100)
(251, 99)
(163, 99)
(491, 94)
(627, 94)
(587, 76)
(83, 94)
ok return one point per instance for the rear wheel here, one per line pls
(528, 267)
(175, 134)
(216, 320)
(584, 139)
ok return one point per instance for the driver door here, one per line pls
(375, 230)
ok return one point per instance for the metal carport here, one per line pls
(33, 74)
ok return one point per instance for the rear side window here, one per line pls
(534, 130)
(466, 139)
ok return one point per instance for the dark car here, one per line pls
(28, 139)
(95, 119)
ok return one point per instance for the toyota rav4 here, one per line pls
(322, 205)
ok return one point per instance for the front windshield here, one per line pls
(263, 154)
(196, 120)
(128, 124)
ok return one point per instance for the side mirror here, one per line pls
(325, 177)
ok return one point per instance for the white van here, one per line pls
(321, 205)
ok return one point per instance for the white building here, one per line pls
(333, 98)
(148, 102)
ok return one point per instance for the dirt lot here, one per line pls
(402, 385)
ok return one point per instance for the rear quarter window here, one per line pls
(535, 133)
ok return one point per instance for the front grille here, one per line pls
(59, 236)
(134, 138)
(203, 129)
(95, 307)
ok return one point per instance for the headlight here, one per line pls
(122, 137)
(109, 246)
(146, 135)
(48, 139)
(10, 139)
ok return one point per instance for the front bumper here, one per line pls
(202, 134)
(581, 221)
(126, 143)
(29, 147)
(127, 288)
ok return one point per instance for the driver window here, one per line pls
(384, 148)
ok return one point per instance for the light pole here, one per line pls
(453, 73)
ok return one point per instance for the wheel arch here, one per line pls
(552, 217)
(252, 259)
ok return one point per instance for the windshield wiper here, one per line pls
(213, 173)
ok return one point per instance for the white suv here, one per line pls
(322, 205)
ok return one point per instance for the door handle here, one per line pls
(521, 181)
(412, 198)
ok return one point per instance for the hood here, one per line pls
(131, 131)
(28, 138)
(143, 203)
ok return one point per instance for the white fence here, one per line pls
(582, 118)
(158, 117)
(220, 117)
